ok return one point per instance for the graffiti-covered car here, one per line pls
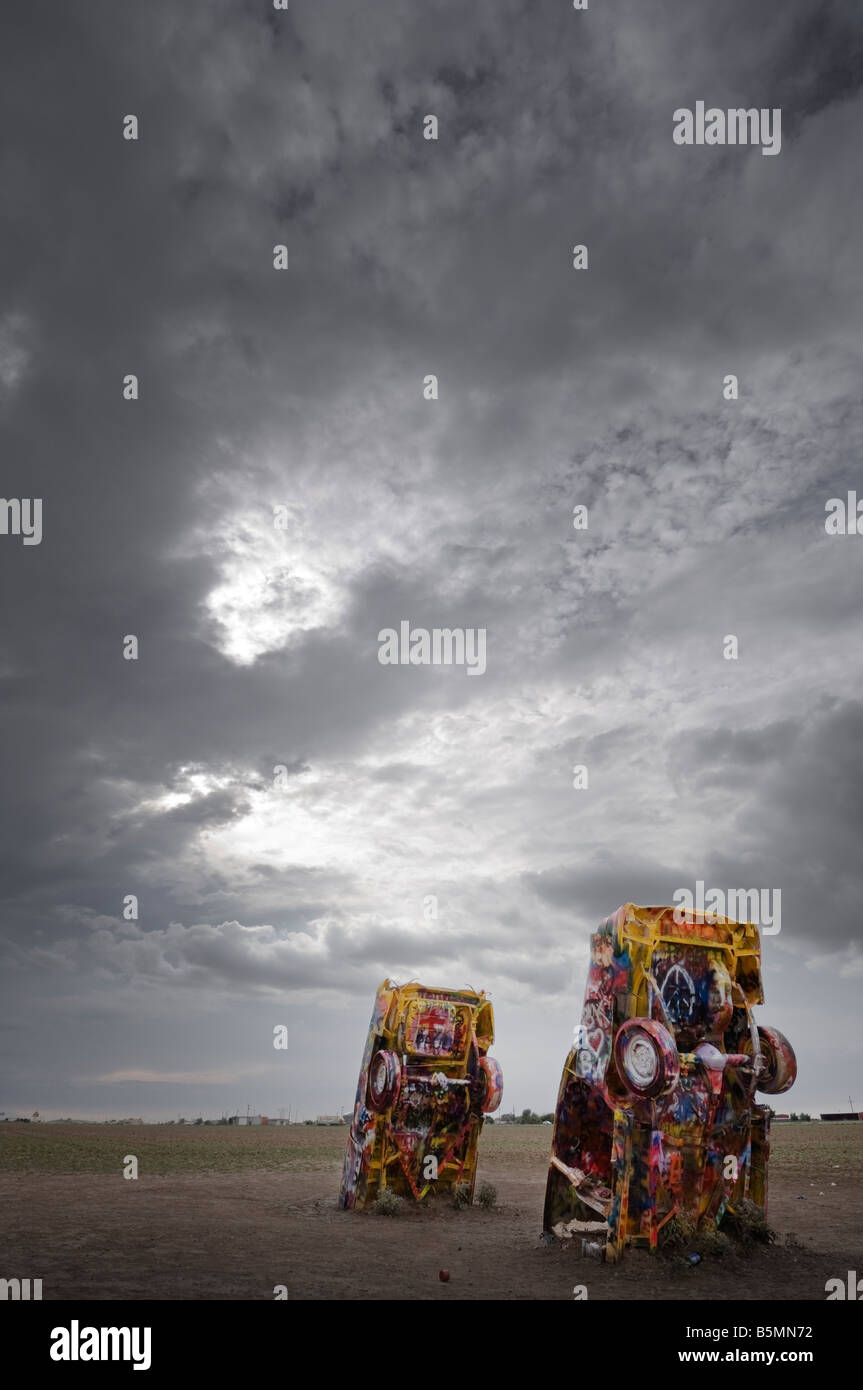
(426, 1081)
(656, 1113)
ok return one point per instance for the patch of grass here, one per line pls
(389, 1203)
(677, 1235)
(746, 1223)
(680, 1236)
(462, 1196)
(713, 1242)
(487, 1195)
(163, 1150)
(743, 1225)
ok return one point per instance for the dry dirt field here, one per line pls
(224, 1213)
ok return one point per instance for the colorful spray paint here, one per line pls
(656, 1113)
(425, 1084)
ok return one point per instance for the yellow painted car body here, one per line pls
(425, 1083)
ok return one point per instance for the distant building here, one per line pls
(256, 1120)
(329, 1120)
(844, 1115)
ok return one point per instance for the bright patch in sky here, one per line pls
(272, 589)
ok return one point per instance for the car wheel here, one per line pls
(646, 1058)
(780, 1063)
(490, 1070)
(385, 1080)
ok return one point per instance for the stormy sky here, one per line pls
(264, 900)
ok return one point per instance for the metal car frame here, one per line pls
(656, 1114)
(425, 1084)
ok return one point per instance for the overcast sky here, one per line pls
(262, 904)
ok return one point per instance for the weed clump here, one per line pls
(677, 1234)
(744, 1226)
(389, 1203)
(680, 1236)
(746, 1223)
(487, 1195)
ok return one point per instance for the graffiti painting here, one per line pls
(425, 1083)
(658, 1090)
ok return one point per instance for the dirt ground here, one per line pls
(230, 1214)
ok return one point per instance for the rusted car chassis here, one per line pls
(656, 1113)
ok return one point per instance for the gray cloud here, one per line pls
(258, 645)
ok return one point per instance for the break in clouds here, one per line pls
(196, 713)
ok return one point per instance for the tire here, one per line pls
(385, 1081)
(491, 1072)
(780, 1070)
(646, 1058)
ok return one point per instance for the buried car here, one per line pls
(425, 1084)
(656, 1115)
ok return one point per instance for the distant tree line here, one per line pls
(527, 1117)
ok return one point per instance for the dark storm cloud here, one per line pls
(258, 647)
